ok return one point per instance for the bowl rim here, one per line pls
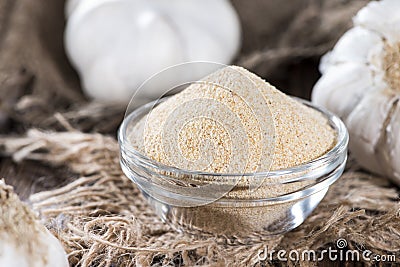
(342, 139)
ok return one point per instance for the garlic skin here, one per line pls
(361, 83)
(116, 45)
(24, 242)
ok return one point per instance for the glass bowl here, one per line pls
(288, 195)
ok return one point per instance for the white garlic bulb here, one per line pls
(361, 83)
(24, 242)
(116, 45)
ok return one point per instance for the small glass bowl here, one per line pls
(289, 195)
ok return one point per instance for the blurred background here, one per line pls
(281, 41)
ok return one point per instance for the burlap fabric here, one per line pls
(102, 219)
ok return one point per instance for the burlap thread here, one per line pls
(102, 219)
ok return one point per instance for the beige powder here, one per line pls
(300, 134)
(234, 122)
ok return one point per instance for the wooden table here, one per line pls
(29, 177)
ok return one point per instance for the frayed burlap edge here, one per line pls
(102, 219)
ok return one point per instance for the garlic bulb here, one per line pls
(24, 242)
(116, 45)
(361, 83)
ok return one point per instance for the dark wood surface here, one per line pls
(29, 177)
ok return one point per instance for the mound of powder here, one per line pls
(232, 121)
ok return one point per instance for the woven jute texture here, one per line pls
(102, 219)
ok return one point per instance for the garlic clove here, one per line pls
(367, 129)
(209, 33)
(114, 59)
(115, 64)
(355, 46)
(369, 106)
(381, 17)
(356, 80)
(325, 62)
(24, 242)
(392, 146)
